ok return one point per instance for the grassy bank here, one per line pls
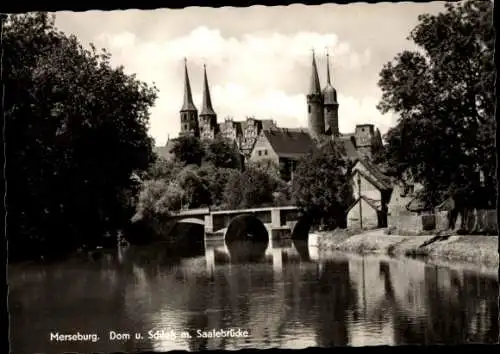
(481, 250)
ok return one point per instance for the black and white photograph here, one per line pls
(225, 178)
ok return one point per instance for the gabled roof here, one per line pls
(290, 143)
(245, 124)
(375, 204)
(374, 182)
(382, 180)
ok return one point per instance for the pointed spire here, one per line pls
(188, 104)
(315, 85)
(206, 108)
(328, 82)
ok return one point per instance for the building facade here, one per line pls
(372, 193)
(322, 119)
(283, 148)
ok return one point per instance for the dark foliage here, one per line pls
(321, 187)
(76, 132)
(444, 95)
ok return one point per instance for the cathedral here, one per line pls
(322, 123)
(261, 139)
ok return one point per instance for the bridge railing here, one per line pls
(254, 210)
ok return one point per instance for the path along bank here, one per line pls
(480, 250)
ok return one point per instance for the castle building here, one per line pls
(323, 119)
(322, 122)
(205, 126)
(188, 113)
(260, 140)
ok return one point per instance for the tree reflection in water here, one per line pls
(279, 294)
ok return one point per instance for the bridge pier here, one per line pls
(210, 259)
(277, 255)
(209, 223)
(275, 218)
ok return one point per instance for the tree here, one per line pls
(158, 198)
(196, 190)
(189, 150)
(76, 131)
(215, 179)
(321, 188)
(163, 169)
(251, 188)
(221, 153)
(444, 96)
(268, 166)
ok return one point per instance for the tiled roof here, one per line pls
(384, 180)
(373, 181)
(290, 143)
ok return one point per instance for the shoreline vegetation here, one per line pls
(479, 250)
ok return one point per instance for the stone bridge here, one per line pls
(274, 218)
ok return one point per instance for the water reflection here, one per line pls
(246, 251)
(283, 294)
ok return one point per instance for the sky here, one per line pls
(258, 58)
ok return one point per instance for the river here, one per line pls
(282, 295)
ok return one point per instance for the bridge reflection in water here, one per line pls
(286, 295)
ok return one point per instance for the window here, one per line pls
(309, 109)
(185, 126)
(260, 153)
(265, 152)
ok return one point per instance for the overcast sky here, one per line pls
(258, 58)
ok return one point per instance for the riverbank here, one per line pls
(480, 250)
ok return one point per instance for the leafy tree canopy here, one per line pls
(443, 93)
(222, 153)
(76, 131)
(188, 150)
(321, 187)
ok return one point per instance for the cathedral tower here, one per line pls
(189, 113)
(330, 104)
(208, 117)
(315, 120)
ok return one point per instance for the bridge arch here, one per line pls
(302, 228)
(192, 221)
(188, 234)
(246, 227)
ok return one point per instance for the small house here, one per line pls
(372, 192)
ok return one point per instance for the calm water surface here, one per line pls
(283, 295)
